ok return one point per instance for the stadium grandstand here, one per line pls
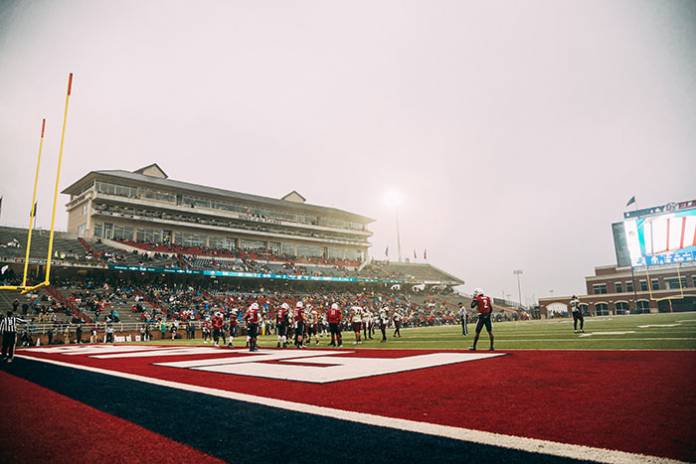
(142, 249)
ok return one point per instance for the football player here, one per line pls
(383, 321)
(206, 328)
(397, 322)
(299, 324)
(577, 314)
(356, 319)
(484, 306)
(312, 325)
(334, 317)
(252, 318)
(234, 312)
(217, 328)
(367, 324)
(282, 321)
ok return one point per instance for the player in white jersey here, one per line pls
(312, 325)
(367, 324)
(356, 318)
(397, 322)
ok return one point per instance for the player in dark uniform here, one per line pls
(234, 313)
(577, 314)
(299, 325)
(383, 321)
(252, 318)
(484, 307)
(334, 316)
(282, 321)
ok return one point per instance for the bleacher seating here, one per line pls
(74, 251)
(410, 272)
(65, 247)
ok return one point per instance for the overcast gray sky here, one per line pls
(516, 131)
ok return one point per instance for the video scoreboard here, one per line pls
(663, 235)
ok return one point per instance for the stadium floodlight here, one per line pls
(393, 198)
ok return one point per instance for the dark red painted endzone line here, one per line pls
(635, 401)
(39, 425)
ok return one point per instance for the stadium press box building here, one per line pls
(655, 268)
(146, 206)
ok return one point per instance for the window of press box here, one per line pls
(599, 289)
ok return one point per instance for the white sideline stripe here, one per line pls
(531, 445)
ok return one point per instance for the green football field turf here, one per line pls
(647, 331)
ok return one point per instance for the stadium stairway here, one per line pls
(57, 295)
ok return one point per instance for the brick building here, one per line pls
(617, 290)
(656, 266)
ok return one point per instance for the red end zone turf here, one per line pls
(635, 401)
(48, 427)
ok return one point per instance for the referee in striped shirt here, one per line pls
(8, 328)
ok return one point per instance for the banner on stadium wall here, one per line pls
(249, 275)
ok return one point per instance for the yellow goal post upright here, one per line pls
(32, 215)
(24, 288)
(681, 295)
(32, 208)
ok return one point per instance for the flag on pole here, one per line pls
(0, 206)
(631, 201)
(33, 210)
(386, 252)
(425, 254)
(414, 255)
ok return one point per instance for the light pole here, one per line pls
(518, 273)
(393, 199)
(398, 234)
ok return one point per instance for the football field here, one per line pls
(622, 392)
(635, 332)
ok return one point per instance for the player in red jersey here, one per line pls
(299, 324)
(334, 316)
(282, 321)
(217, 328)
(484, 307)
(252, 318)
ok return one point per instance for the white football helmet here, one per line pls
(299, 305)
(334, 306)
(254, 306)
(285, 306)
(478, 291)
